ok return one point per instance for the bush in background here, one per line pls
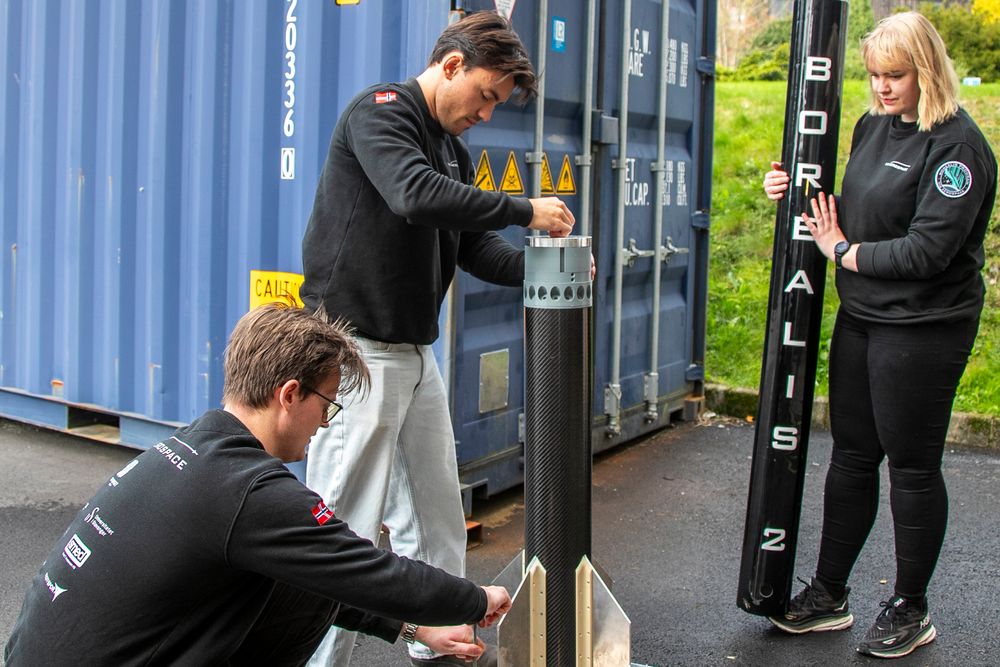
(973, 40)
(972, 36)
(748, 133)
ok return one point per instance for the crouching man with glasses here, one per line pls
(206, 550)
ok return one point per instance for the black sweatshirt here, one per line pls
(173, 559)
(393, 215)
(919, 204)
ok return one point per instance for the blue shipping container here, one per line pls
(160, 159)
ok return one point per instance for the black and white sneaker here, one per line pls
(899, 630)
(815, 610)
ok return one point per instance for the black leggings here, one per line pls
(891, 393)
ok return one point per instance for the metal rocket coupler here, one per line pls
(563, 614)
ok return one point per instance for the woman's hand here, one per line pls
(775, 182)
(823, 226)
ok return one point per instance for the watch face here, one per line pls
(839, 251)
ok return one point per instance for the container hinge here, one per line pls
(694, 373)
(520, 427)
(605, 128)
(531, 157)
(584, 160)
(656, 166)
(628, 255)
(700, 220)
(651, 388)
(705, 66)
(612, 408)
(668, 250)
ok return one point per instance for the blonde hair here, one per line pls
(278, 342)
(908, 42)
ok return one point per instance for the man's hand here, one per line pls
(551, 215)
(454, 640)
(497, 604)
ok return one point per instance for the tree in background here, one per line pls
(972, 36)
(860, 22)
(738, 22)
(766, 57)
(988, 10)
(882, 8)
(754, 48)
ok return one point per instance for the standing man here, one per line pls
(395, 213)
(206, 550)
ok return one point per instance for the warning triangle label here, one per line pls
(511, 182)
(484, 174)
(504, 7)
(548, 188)
(566, 185)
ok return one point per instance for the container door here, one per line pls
(487, 348)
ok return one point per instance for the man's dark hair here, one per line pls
(487, 40)
(278, 342)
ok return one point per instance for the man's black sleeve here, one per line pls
(488, 256)
(386, 140)
(358, 620)
(275, 533)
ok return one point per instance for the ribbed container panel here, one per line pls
(158, 152)
(155, 153)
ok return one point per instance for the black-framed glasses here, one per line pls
(332, 409)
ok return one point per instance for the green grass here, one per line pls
(748, 122)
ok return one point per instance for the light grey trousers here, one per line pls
(390, 458)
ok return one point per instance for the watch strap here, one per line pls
(839, 251)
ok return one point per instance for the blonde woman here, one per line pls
(907, 241)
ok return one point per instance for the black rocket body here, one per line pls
(557, 472)
(798, 276)
(563, 612)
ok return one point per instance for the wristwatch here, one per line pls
(839, 251)
(409, 633)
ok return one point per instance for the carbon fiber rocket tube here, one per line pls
(798, 274)
(557, 408)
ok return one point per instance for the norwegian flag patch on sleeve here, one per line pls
(384, 96)
(322, 513)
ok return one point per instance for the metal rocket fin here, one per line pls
(521, 633)
(602, 628)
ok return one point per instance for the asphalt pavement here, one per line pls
(668, 524)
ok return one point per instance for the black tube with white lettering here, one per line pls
(795, 306)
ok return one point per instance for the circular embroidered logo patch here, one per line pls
(953, 179)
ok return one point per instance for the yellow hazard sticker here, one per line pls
(511, 182)
(566, 185)
(348, 2)
(272, 286)
(484, 174)
(548, 188)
